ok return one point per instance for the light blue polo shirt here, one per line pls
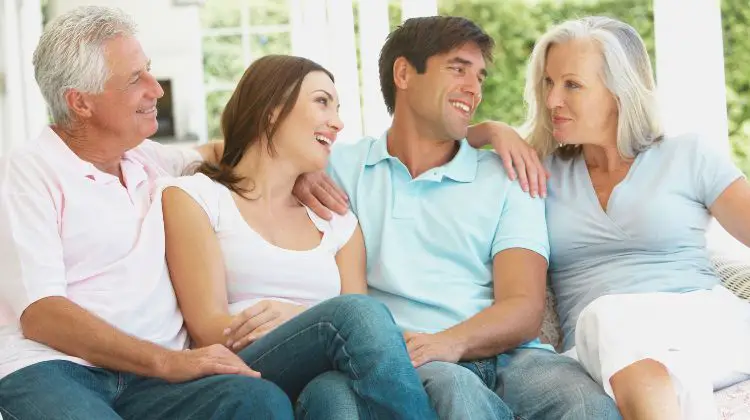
(431, 240)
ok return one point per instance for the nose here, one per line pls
(472, 86)
(335, 123)
(554, 98)
(155, 88)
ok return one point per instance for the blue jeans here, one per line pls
(65, 390)
(457, 391)
(527, 383)
(540, 384)
(354, 335)
(351, 334)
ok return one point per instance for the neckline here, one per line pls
(589, 184)
(317, 222)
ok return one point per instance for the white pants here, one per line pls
(702, 337)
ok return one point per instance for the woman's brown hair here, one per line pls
(270, 82)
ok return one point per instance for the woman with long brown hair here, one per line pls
(257, 271)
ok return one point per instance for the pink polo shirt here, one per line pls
(68, 229)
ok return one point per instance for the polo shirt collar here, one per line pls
(462, 168)
(53, 145)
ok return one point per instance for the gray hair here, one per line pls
(626, 72)
(71, 55)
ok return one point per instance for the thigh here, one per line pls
(697, 334)
(458, 393)
(212, 397)
(329, 397)
(540, 384)
(58, 389)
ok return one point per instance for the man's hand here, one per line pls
(187, 365)
(424, 348)
(519, 158)
(317, 191)
(257, 321)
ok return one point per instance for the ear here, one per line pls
(402, 72)
(79, 104)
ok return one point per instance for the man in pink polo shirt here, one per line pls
(83, 281)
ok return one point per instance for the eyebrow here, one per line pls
(465, 62)
(330, 97)
(139, 71)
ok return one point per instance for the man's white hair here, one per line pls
(626, 72)
(71, 55)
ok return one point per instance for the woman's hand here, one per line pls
(257, 321)
(519, 158)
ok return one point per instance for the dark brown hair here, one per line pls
(270, 82)
(418, 39)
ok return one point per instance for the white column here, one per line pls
(417, 8)
(323, 31)
(373, 30)
(30, 16)
(690, 68)
(690, 76)
(24, 111)
(343, 65)
(309, 20)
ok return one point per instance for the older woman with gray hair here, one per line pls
(640, 305)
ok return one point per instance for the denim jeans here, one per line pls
(456, 391)
(526, 384)
(354, 335)
(65, 390)
(540, 384)
(351, 334)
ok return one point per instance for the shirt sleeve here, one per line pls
(715, 171)
(32, 265)
(203, 190)
(173, 159)
(343, 228)
(522, 223)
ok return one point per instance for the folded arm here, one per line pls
(196, 268)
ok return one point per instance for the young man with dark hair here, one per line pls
(455, 248)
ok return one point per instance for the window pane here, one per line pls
(215, 102)
(221, 13)
(273, 43)
(223, 59)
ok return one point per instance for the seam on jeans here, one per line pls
(5, 412)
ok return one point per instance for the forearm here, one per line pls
(499, 328)
(61, 324)
(208, 329)
(479, 135)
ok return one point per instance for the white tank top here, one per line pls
(258, 270)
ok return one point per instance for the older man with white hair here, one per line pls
(89, 324)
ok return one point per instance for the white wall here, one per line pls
(171, 37)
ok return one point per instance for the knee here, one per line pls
(365, 310)
(327, 396)
(247, 397)
(587, 402)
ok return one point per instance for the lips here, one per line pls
(149, 110)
